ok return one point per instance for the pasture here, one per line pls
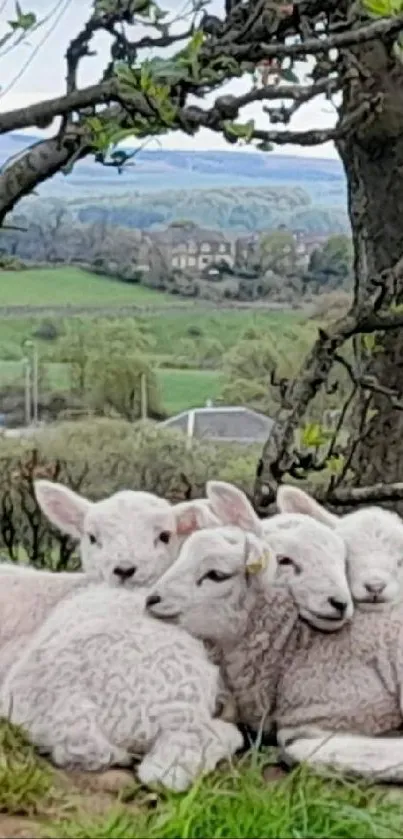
(187, 339)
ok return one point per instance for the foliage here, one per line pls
(98, 457)
(114, 386)
(278, 252)
(88, 347)
(331, 265)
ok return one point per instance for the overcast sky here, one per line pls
(45, 72)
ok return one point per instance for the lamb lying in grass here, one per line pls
(332, 695)
(126, 540)
(374, 539)
(101, 680)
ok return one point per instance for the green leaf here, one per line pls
(289, 76)
(335, 464)
(243, 131)
(383, 8)
(264, 146)
(369, 342)
(313, 435)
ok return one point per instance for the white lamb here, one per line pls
(102, 681)
(374, 539)
(331, 695)
(126, 540)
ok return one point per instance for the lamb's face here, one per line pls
(374, 545)
(374, 541)
(311, 559)
(212, 582)
(207, 589)
(129, 539)
(311, 563)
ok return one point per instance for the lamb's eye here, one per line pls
(165, 537)
(286, 561)
(92, 538)
(215, 576)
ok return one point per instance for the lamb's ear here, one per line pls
(63, 507)
(194, 515)
(259, 557)
(291, 499)
(231, 506)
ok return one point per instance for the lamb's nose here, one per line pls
(124, 573)
(339, 605)
(375, 587)
(152, 600)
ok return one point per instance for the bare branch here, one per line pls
(314, 46)
(42, 113)
(352, 496)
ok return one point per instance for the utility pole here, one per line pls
(31, 382)
(27, 390)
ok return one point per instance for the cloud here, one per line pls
(44, 76)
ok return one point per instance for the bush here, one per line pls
(98, 457)
(47, 331)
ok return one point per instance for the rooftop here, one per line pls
(232, 424)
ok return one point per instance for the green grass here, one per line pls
(183, 389)
(73, 286)
(227, 327)
(25, 780)
(240, 804)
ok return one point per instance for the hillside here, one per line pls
(159, 169)
(236, 209)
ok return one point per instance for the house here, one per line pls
(192, 248)
(223, 424)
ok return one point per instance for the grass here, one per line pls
(68, 286)
(175, 335)
(240, 804)
(183, 389)
(25, 781)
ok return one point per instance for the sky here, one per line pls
(36, 70)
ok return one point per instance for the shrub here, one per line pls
(47, 331)
(98, 457)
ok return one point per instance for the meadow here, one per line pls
(170, 322)
(69, 286)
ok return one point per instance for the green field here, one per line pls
(73, 287)
(182, 389)
(171, 332)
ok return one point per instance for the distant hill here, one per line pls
(322, 179)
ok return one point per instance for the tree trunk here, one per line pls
(373, 162)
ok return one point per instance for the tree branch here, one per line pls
(278, 453)
(352, 496)
(313, 46)
(43, 113)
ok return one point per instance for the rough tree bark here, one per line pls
(373, 161)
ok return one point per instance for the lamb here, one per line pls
(127, 540)
(101, 680)
(334, 697)
(374, 539)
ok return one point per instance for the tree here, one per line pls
(278, 252)
(356, 53)
(330, 265)
(115, 387)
